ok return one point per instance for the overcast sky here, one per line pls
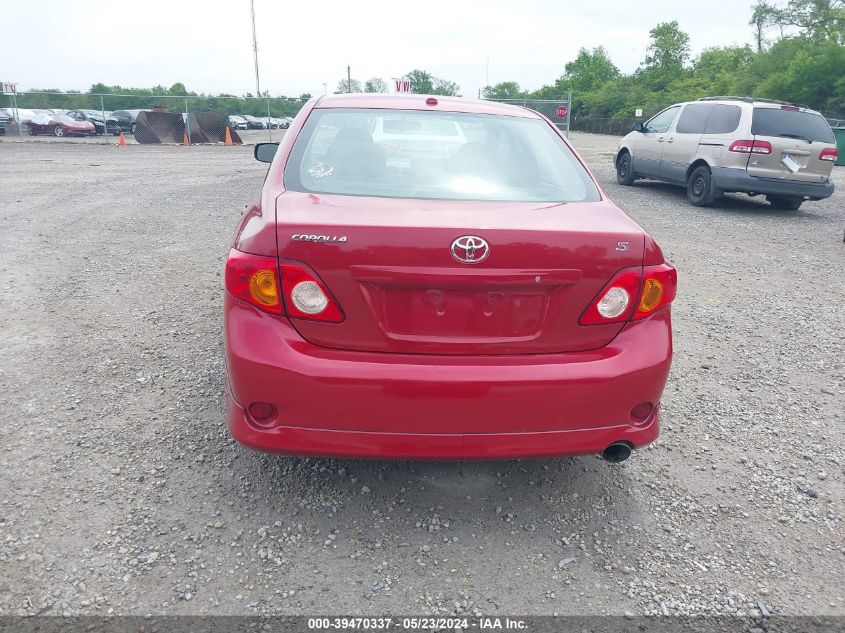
(208, 45)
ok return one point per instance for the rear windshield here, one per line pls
(791, 124)
(435, 155)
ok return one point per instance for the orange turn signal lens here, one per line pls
(652, 294)
(262, 287)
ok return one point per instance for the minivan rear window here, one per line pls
(463, 156)
(791, 124)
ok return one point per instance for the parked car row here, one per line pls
(51, 121)
(59, 122)
(249, 122)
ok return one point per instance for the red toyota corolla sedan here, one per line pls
(440, 278)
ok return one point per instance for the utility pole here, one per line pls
(349, 79)
(255, 49)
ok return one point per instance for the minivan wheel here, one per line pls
(699, 187)
(624, 170)
(788, 204)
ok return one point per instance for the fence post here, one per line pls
(17, 116)
(568, 112)
(269, 127)
(105, 121)
(187, 121)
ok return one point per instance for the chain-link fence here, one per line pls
(147, 119)
(558, 111)
(610, 126)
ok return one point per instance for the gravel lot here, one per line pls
(121, 492)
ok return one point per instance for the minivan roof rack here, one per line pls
(745, 99)
(753, 100)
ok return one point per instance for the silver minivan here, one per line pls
(716, 145)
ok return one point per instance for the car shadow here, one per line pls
(732, 203)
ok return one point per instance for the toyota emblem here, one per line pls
(470, 249)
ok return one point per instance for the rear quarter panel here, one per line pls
(713, 148)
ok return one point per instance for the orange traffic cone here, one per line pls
(228, 140)
(185, 140)
(121, 142)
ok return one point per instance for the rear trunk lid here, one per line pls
(797, 137)
(389, 265)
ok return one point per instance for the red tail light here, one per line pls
(615, 302)
(829, 155)
(306, 297)
(254, 279)
(637, 291)
(751, 147)
(660, 283)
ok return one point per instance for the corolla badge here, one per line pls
(470, 249)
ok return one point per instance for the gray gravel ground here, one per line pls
(121, 491)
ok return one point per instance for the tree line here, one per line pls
(798, 56)
(123, 98)
(422, 82)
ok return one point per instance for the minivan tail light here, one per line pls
(615, 302)
(660, 284)
(751, 147)
(829, 155)
(254, 279)
(306, 297)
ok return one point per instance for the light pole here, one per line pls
(255, 49)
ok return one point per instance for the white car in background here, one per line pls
(21, 115)
(238, 122)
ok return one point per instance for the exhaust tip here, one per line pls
(616, 452)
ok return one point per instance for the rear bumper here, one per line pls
(446, 446)
(379, 405)
(727, 179)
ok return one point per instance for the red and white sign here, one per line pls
(402, 85)
(561, 112)
(9, 89)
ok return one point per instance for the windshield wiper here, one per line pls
(803, 138)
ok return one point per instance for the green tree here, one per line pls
(345, 85)
(814, 19)
(590, 70)
(376, 84)
(178, 89)
(761, 18)
(422, 82)
(503, 90)
(669, 49)
(717, 69)
(446, 88)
